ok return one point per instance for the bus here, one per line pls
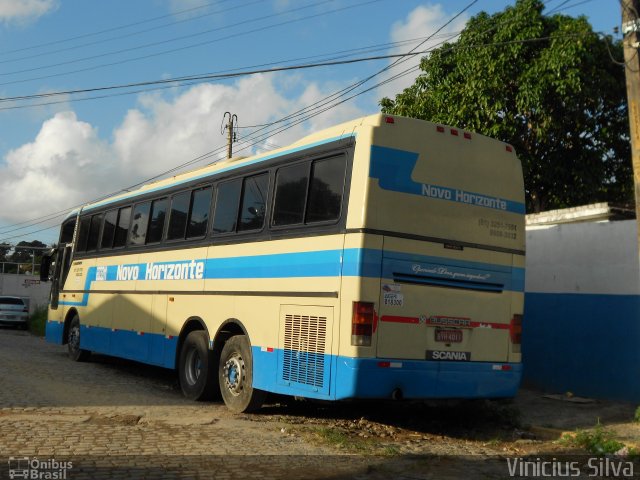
(381, 258)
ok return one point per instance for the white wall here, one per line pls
(592, 258)
(27, 287)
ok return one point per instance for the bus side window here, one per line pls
(291, 194)
(254, 200)
(66, 234)
(226, 213)
(138, 233)
(156, 220)
(325, 191)
(199, 214)
(83, 234)
(109, 229)
(178, 216)
(94, 232)
(122, 228)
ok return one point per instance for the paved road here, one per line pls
(130, 417)
(110, 418)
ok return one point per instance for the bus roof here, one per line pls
(331, 134)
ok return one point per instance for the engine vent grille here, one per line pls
(304, 348)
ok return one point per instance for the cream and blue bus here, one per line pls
(381, 258)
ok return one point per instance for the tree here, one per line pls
(546, 84)
(27, 253)
(4, 250)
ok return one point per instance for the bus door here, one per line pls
(60, 260)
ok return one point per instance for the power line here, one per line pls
(128, 35)
(112, 29)
(322, 106)
(179, 49)
(316, 106)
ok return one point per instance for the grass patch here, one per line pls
(598, 441)
(339, 439)
(38, 321)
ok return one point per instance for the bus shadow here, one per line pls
(468, 419)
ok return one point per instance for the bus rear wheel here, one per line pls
(235, 374)
(73, 341)
(196, 367)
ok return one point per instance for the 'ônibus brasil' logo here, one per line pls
(188, 270)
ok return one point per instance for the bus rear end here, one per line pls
(442, 221)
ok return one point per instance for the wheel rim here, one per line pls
(74, 338)
(193, 366)
(234, 374)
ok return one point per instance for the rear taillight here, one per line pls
(362, 324)
(515, 329)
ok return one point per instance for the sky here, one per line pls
(61, 149)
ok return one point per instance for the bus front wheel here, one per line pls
(73, 341)
(196, 367)
(235, 375)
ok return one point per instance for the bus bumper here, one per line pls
(54, 332)
(415, 379)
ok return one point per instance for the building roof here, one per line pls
(596, 212)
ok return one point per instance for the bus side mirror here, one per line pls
(45, 267)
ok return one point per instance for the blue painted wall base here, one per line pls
(586, 344)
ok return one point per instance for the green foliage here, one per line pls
(545, 84)
(636, 416)
(38, 321)
(598, 441)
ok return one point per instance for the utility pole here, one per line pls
(231, 134)
(631, 38)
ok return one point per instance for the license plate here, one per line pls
(448, 336)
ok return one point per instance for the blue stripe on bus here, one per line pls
(339, 377)
(235, 166)
(364, 378)
(351, 262)
(393, 169)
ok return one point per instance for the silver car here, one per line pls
(13, 311)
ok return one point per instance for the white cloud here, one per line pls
(69, 163)
(421, 22)
(55, 170)
(25, 10)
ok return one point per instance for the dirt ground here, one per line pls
(124, 416)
